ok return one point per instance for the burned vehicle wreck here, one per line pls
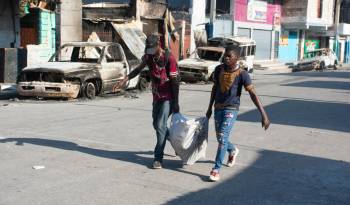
(201, 64)
(79, 69)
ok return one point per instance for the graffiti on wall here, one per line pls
(311, 45)
(284, 38)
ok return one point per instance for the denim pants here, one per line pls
(224, 120)
(160, 114)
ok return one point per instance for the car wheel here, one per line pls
(90, 90)
(335, 65)
(143, 84)
(322, 66)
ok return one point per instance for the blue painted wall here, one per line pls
(289, 51)
(347, 52)
(47, 33)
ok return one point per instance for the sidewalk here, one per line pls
(269, 67)
(345, 66)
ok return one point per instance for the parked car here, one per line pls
(79, 69)
(247, 47)
(318, 59)
(201, 63)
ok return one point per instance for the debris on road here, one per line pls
(14, 99)
(130, 95)
(37, 167)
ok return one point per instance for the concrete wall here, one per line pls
(327, 12)
(197, 20)
(9, 24)
(46, 47)
(294, 8)
(305, 12)
(69, 22)
(294, 11)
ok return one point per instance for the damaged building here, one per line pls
(109, 19)
(32, 30)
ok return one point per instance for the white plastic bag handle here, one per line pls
(178, 117)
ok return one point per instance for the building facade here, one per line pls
(9, 24)
(306, 25)
(344, 32)
(259, 20)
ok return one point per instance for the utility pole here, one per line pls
(336, 24)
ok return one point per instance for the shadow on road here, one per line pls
(277, 178)
(127, 156)
(274, 178)
(322, 84)
(312, 114)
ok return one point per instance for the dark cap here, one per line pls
(152, 43)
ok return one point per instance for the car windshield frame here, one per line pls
(208, 54)
(77, 58)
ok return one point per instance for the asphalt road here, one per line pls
(100, 152)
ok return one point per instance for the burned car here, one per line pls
(318, 59)
(247, 47)
(201, 64)
(79, 69)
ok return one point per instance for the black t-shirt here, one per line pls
(229, 86)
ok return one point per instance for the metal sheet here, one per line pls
(133, 37)
(263, 44)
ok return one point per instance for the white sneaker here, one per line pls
(232, 158)
(214, 176)
(157, 165)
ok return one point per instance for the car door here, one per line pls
(113, 66)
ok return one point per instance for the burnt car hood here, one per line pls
(61, 67)
(197, 63)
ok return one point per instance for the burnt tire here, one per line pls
(322, 66)
(143, 84)
(90, 90)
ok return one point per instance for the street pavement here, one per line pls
(101, 151)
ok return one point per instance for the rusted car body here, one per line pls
(78, 69)
(201, 63)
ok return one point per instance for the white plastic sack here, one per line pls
(189, 137)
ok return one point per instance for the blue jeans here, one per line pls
(160, 114)
(224, 120)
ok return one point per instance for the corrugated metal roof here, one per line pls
(132, 36)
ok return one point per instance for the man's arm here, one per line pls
(172, 70)
(174, 82)
(131, 75)
(265, 122)
(211, 101)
